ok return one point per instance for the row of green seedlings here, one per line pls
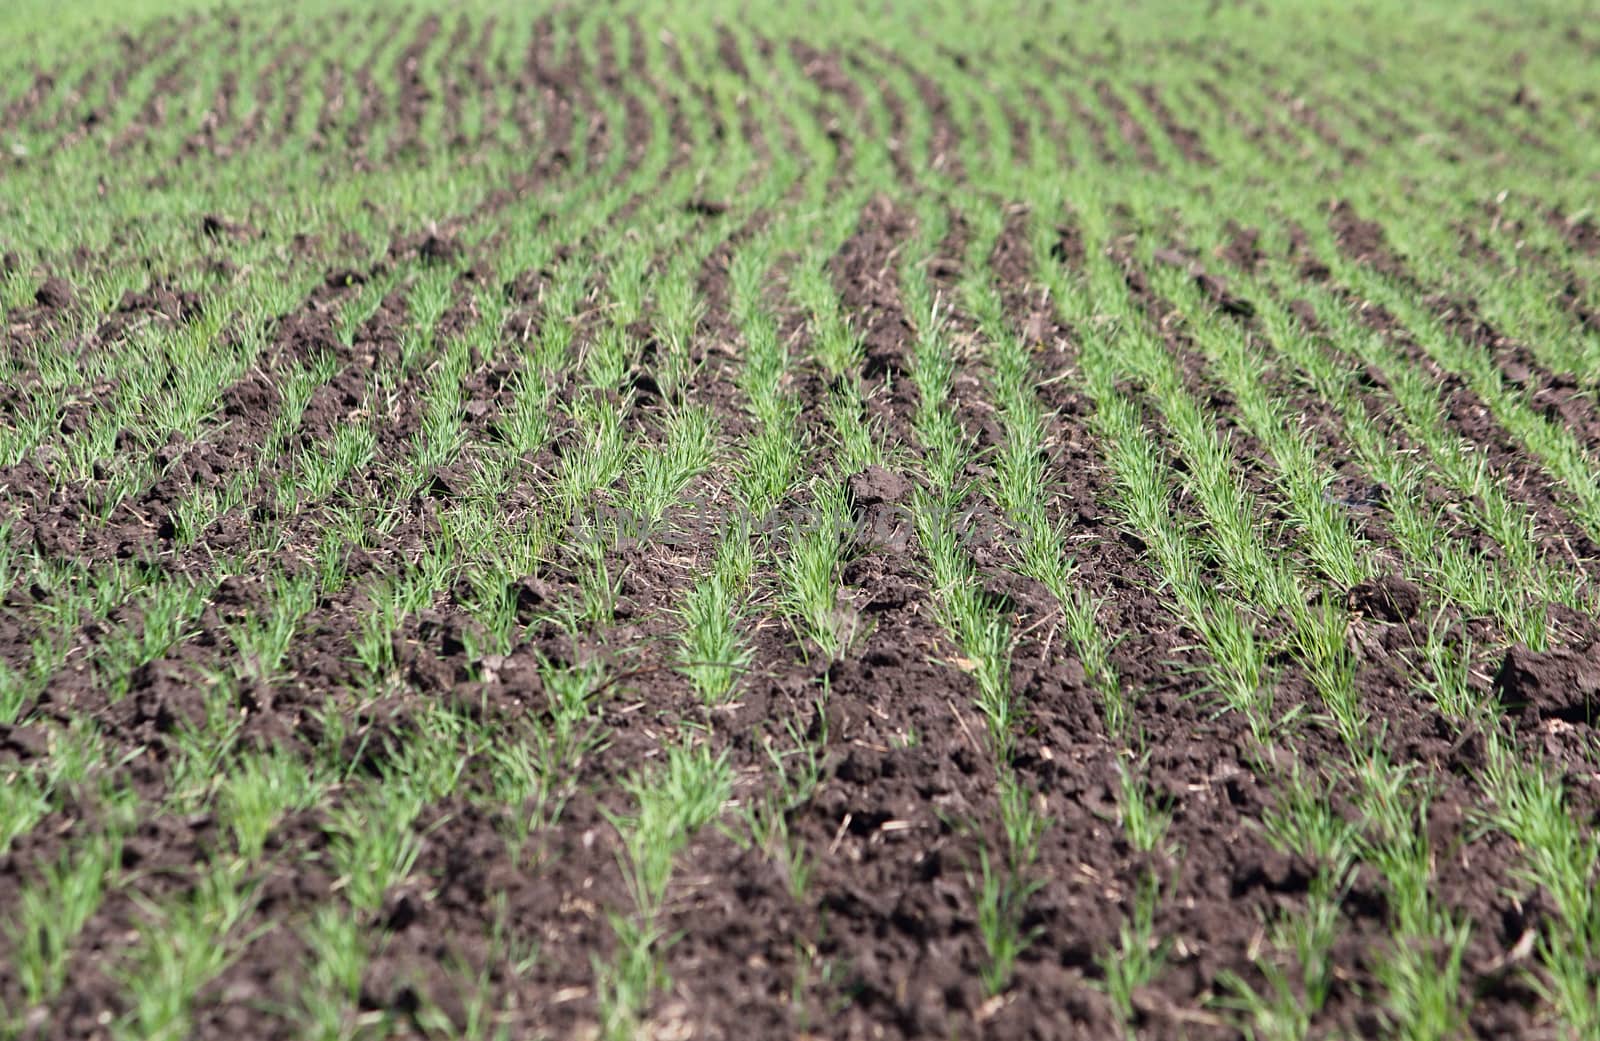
(808, 573)
(608, 362)
(266, 643)
(671, 799)
(807, 557)
(1048, 561)
(1484, 497)
(532, 771)
(1420, 994)
(675, 798)
(1527, 801)
(1006, 878)
(713, 650)
(1018, 490)
(1440, 658)
(655, 476)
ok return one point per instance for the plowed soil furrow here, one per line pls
(1099, 136)
(334, 100)
(1133, 133)
(1022, 143)
(448, 66)
(826, 75)
(898, 128)
(1218, 863)
(218, 114)
(1303, 110)
(287, 121)
(1250, 456)
(1480, 871)
(865, 274)
(253, 121)
(365, 95)
(1363, 241)
(483, 82)
(414, 96)
(529, 82)
(88, 105)
(1582, 232)
(1054, 135)
(763, 122)
(304, 336)
(20, 109)
(872, 837)
(1186, 140)
(50, 118)
(944, 149)
(171, 88)
(1377, 398)
(1275, 139)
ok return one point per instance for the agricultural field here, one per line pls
(675, 519)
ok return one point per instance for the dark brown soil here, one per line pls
(1562, 684)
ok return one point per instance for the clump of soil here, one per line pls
(217, 227)
(1364, 240)
(55, 293)
(1562, 684)
(1243, 249)
(1388, 598)
(876, 485)
(879, 505)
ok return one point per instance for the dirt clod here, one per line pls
(1388, 598)
(1561, 684)
(217, 227)
(439, 249)
(705, 207)
(877, 485)
(54, 293)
